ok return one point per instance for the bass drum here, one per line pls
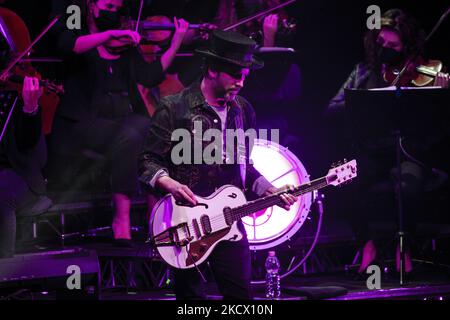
(273, 226)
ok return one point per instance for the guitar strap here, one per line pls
(241, 150)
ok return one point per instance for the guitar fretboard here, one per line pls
(274, 199)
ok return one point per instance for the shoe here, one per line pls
(369, 254)
(408, 261)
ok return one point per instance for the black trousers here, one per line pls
(120, 140)
(14, 195)
(230, 263)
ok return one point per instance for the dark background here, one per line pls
(328, 43)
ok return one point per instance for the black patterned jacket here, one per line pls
(180, 111)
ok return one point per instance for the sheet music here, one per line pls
(393, 88)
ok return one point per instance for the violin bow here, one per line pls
(256, 16)
(27, 50)
(141, 7)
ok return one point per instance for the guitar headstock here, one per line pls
(342, 172)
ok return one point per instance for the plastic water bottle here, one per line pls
(272, 265)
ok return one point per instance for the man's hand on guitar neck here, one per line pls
(179, 191)
(288, 199)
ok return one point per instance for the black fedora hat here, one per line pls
(233, 48)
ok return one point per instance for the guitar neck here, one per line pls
(274, 199)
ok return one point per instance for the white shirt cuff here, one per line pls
(159, 174)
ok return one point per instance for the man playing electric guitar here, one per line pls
(214, 103)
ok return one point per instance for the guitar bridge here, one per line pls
(178, 236)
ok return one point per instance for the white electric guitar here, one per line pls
(185, 235)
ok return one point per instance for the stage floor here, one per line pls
(427, 283)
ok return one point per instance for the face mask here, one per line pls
(390, 56)
(108, 20)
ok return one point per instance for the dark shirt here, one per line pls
(95, 87)
(180, 111)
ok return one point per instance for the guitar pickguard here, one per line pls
(198, 249)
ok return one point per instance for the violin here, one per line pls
(18, 38)
(419, 73)
(14, 81)
(155, 30)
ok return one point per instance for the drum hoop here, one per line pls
(304, 206)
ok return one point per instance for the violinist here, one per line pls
(387, 51)
(23, 151)
(22, 157)
(268, 30)
(100, 110)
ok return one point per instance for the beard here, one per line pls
(231, 93)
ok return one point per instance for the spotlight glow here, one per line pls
(275, 225)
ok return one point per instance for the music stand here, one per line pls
(8, 101)
(394, 113)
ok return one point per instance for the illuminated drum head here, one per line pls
(271, 227)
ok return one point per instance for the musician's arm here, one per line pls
(337, 104)
(255, 181)
(88, 42)
(150, 75)
(181, 28)
(153, 161)
(155, 158)
(27, 122)
(71, 42)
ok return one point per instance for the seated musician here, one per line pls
(100, 110)
(214, 102)
(387, 50)
(23, 150)
(22, 157)
(221, 14)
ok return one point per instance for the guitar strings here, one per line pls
(252, 207)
